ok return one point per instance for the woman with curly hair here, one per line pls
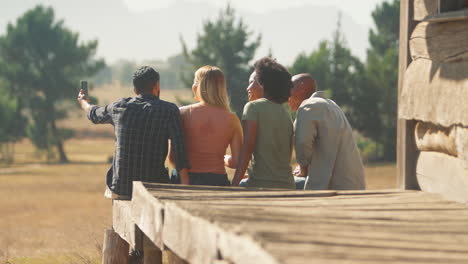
(268, 129)
(209, 128)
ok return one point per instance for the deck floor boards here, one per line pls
(276, 226)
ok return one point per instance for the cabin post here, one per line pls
(406, 146)
(115, 249)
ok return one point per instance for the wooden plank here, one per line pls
(181, 229)
(443, 174)
(348, 227)
(435, 93)
(440, 42)
(345, 253)
(425, 8)
(114, 250)
(147, 214)
(406, 148)
(122, 221)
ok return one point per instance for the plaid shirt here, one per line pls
(142, 125)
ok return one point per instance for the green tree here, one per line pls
(225, 42)
(335, 69)
(317, 63)
(43, 63)
(382, 77)
(12, 124)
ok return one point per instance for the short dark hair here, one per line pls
(144, 79)
(275, 79)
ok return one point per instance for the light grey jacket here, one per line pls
(324, 141)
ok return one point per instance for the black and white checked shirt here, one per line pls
(142, 125)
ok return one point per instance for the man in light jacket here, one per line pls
(326, 151)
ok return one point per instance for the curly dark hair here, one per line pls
(275, 79)
(144, 79)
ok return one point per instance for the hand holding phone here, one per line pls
(84, 87)
(83, 94)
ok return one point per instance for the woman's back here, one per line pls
(208, 132)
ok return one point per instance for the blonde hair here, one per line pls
(211, 86)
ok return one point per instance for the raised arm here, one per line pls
(231, 161)
(248, 147)
(97, 115)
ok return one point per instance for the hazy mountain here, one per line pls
(155, 34)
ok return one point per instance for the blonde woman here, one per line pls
(209, 128)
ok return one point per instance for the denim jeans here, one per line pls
(299, 181)
(211, 179)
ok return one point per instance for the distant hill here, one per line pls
(155, 34)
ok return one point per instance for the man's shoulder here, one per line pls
(122, 101)
(314, 102)
(169, 105)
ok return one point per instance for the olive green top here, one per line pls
(270, 165)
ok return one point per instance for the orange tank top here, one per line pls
(208, 131)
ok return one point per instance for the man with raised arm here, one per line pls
(326, 151)
(143, 126)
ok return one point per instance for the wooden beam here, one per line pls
(172, 258)
(151, 253)
(443, 174)
(406, 147)
(425, 8)
(435, 92)
(115, 250)
(440, 42)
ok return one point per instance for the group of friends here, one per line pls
(261, 144)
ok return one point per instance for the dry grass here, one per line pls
(55, 213)
(55, 210)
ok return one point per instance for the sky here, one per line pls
(288, 27)
(359, 10)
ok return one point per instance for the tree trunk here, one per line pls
(58, 141)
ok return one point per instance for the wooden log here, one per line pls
(440, 42)
(151, 253)
(462, 145)
(430, 137)
(115, 250)
(425, 8)
(435, 93)
(449, 140)
(443, 174)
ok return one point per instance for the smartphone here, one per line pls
(84, 87)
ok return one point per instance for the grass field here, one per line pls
(56, 213)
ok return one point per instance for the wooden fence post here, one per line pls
(115, 249)
(151, 253)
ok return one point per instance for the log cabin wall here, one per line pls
(433, 95)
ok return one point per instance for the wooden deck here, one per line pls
(236, 225)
